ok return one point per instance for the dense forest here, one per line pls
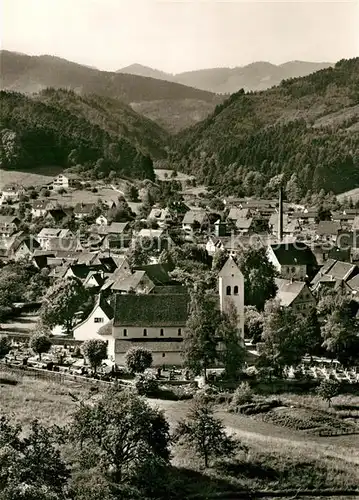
(58, 127)
(303, 133)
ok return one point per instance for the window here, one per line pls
(179, 331)
(293, 269)
(228, 290)
(124, 332)
(145, 332)
(235, 290)
(98, 320)
(163, 355)
(161, 332)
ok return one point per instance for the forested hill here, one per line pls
(306, 131)
(23, 73)
(58, 127)
(171, 104)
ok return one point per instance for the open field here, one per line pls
(353, 194)
(37, 177)
(276, 457)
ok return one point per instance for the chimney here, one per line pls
(280, 215)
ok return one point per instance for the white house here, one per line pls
(64, 181)
(101, 314)
(47, 234)
(101, 220)
(11, 192)
(292, 260)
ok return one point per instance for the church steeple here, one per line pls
(231, 290)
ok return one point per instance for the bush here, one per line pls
(243, 394)
(146, 384)
(138, 359)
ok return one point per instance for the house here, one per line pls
(334, 274)
(25, 248)
(328, 230)
(295, 294)
(101, 314)
(82, 210)
(292, 260)
(9, 225)
(158, 321)
(160, 238)
(49, 233)
(244, 225)
(65, 244)
(11, 192)
(306, 216)
(57, 215)
(64, 181)
(40, 208)
(161, 215)
(102, 220)
(195, 219)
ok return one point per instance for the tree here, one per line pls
(200, 343)
(119, 434)
(63, 300)
(131, 192)
(253, 323)
(204, 433)
(31, 467)
(282, 336)
(95, 350)
(328, 389)
(311, 333)
(138, 359)
(40, 343)
(340, 329)
(5, 345)
(259, 275)
(232, 351)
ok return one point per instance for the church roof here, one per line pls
(151, 310)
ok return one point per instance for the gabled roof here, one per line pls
(328, 227)
(297, 253)
(151, 233)
(84, 208)
(117, 227)
(65, 244)
(158, 273)
(238, 213)
(193, 216)
(49, 232)
(288, 290)
(243, 223)
(334, 270)
(130, 282)
(151, 310)
(8, 219)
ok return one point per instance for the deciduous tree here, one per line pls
(95, 350)
(204, 433)
(40, 343)
(63, 300)
(138, 359)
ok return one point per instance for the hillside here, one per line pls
(146, 71)
(255, 76)
(102, 135)
(306, 126)
(28, 74)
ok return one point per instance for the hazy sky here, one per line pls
(181, 35)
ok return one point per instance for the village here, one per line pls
(117, 244)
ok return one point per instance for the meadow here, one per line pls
(275, 457)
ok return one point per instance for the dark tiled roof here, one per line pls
(297, 253)
(158, 273)
(151, 310)
(105, 306)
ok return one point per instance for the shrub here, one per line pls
(138, 359)
(328, 389)
(243, 394)
(146, 384)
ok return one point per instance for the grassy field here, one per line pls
(37, 177)
(276, 457)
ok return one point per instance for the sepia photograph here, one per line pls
(179, 249)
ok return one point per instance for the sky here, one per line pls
(181, 35)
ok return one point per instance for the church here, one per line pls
(158, 321)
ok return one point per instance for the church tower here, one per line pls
(231, 290)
